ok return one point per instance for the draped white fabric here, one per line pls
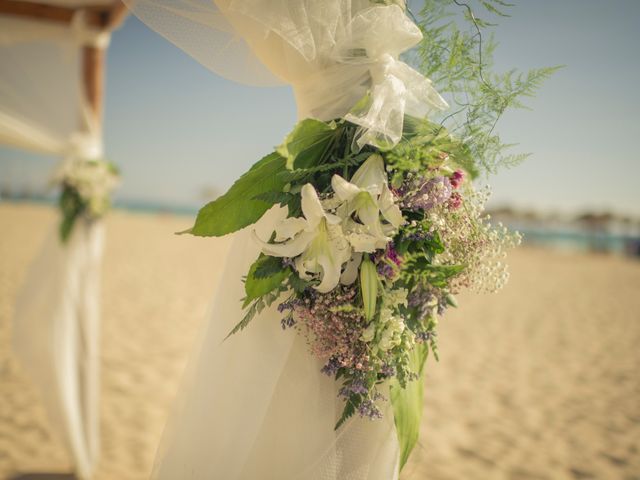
(257, 406)
(56, 337)
(56, 325)
(332, 53)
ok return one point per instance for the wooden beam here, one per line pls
(99, 16)
(116, 15)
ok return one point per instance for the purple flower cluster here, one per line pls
(425, 195)
(387, 371)
(424, 298)
(389, 262)
(369, 409)
(356, 387)
(332, 366)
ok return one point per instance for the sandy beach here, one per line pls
(537, 382)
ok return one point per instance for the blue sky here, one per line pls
(177, 129)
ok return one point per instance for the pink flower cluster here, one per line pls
(333, 328)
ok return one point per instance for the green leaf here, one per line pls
(369, 288)
(267, 266)
(243, 204)
(349, 409)
(408, 403)
(298, 284)
(71, 207)
(302, 174)
(256, 307)
(256, 287)
(307, 143)
(274, 197)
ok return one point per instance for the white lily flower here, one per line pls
(316, 242)
(368, 195)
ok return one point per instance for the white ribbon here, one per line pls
(85, 145)
(367, 73)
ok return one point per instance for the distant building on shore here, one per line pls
(592, 231)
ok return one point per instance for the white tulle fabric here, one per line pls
(56, 334)
(257, 406)
(331, 52)
(56, 323)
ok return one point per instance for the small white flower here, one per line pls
(369, 333)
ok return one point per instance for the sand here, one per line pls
(540, 381)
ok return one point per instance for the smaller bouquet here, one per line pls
(86, 191)
(374, 246)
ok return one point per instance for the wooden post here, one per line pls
(101, 17)
(93, 66)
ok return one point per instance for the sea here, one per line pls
(567, 237)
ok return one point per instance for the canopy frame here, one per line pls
(106, 17)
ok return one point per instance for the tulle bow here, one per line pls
(379, 35)
(361, 78)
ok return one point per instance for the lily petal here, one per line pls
(362, 242)
(330, 273)
(345, 191)
(289, 228)
(302, 270)
(371, 174)
(350, 273)
(390, 211)
(291, 249)
(311, 206)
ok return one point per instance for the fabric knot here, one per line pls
(381, 68)
(84, 146)
(364, 81)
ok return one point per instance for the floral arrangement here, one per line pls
(86, 191)
(374, 246)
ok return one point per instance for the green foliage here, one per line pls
(424, 146)
(72, 206)
(349, 410)
(407, 404)
(307, 143)
(266, 266)
(85, 192)
(419, 269)
(256, 307)
(297, 284)
(456, 53)
(265, 275)
(369, 287)
(311, 153)
(301, 175)
(243, 204)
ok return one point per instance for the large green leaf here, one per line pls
(306, 144)
(263, 278)
(244, 203)
(407, 404)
